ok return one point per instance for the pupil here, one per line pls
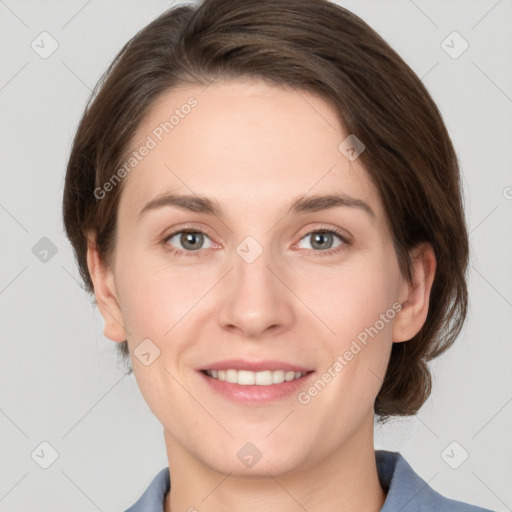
(190, 238)
(321, 237)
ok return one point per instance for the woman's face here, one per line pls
(260, 281)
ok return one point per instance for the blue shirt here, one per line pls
(406, 491)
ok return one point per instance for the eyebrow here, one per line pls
(201, 204)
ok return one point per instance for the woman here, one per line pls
(266, 204)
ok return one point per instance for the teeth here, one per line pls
(248, 378)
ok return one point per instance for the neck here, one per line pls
(345, 480)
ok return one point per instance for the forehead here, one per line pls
(245, 143)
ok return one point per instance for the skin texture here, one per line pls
(254, 147)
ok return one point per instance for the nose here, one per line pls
(256, 299)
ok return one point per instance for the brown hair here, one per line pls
(316, 46)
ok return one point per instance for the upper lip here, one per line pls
(254, 366)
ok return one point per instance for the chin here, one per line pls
(253, 460)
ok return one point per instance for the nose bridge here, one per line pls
(251, 264)
(256, 299)
(251, 270)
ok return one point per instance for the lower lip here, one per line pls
(256, 394)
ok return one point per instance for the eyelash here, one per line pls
(198, 253)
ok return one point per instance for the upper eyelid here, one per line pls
(334, 231)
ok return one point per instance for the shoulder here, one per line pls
(152, 499)
(407, 491)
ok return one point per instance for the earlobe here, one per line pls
(416, 295)
(105, 293)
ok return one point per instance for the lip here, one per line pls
(255, 366)
(253, 394)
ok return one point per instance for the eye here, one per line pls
(323, 240)
(190, 240)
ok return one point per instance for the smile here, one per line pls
(249, 378)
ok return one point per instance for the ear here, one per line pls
(415, 296)
(105, 293)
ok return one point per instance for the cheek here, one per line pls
(357, 307)
(153, 295)
(353, 298)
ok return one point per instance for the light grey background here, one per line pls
(60, 378)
